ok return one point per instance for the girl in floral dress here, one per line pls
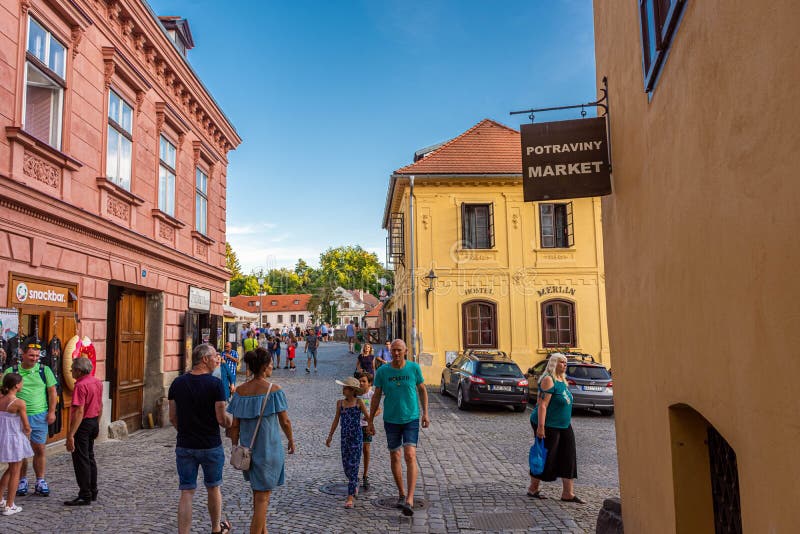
(349, 411)
(14, 443)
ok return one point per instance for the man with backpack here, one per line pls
(39, 394)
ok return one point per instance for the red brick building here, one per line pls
(113, 159)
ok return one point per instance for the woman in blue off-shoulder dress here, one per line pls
(266, 466)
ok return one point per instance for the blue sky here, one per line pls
(331, 96)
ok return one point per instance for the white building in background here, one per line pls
(276, 311)
(354, 304)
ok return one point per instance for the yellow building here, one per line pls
(702, 255)
(517, 276)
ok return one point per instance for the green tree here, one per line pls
(232, 261)
(351, 267)
(244, 285)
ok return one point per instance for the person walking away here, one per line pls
(324, 331)
(276, 351)
(551, 420)
(404, 387)
(366, 360)
(350, 332)
(250, 342)
(223, 373)
(15, 444)
(349, 412)
(230, 358)
(312, 343)
(267, 462)
(39, 395)
(197, 410)
(84, 417)
(384, 356)
(365, 381)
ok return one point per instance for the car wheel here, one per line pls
(460, 402)
(519, 407)
(442, 389)
(607, 411)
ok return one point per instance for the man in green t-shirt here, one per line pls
(250, 342)
(404, 387)
(40, 403)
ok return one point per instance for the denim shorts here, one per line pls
(38, 424)
(402, 435)
(188, 460)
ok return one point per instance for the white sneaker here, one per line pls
(12, 510)
(2, 504)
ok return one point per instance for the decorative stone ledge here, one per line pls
(166, 227)
(200, 245)
(117, 204)
(39, 165)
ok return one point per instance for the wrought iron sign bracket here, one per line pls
(601, 102)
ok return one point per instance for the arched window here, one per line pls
(479, 325)
(558, 324)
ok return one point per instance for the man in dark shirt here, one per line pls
(311, 349)
(196, 409)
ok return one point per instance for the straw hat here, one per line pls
(351, 382)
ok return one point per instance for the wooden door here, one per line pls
(129, 360)
(61, 324)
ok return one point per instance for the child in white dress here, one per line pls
(15, 445)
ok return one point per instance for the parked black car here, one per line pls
(589, 382)
(485, 377)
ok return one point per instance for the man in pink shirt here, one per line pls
(84, 415)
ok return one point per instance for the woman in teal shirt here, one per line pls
(551, 420)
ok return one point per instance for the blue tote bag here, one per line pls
(537, 457)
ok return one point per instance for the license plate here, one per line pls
(501, 388)
(593, 388)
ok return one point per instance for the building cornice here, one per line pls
(17, 197)
(134, 28)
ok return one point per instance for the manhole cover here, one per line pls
(334, 489)
(502, 521)
(391, 502)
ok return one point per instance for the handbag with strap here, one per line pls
(241, 455)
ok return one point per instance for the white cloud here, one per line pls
(249, 229)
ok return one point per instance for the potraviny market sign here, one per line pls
(565, 159)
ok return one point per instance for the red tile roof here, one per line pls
(282, 302)
(376, 311)
(487, 148)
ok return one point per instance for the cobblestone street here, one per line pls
(473, 475)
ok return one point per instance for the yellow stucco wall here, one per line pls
(702, 257)
(511, 275)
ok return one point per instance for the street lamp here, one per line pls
(260, 294)
(431, 280)
(332, 303)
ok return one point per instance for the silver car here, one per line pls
(589, 382)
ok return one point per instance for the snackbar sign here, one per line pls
(565, 159)
(33, 294)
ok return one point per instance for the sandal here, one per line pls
(574, 499)
(348, 505)
(536, 495)
(224, 528)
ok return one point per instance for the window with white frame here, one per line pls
(201, 202)
(43, 101)
(166, 177)
(120, 141)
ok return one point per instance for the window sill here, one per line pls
(549, 349)
(202, 238)
(120, 192)
(40, 148)
(166, 218)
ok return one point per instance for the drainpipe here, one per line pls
(413, 279)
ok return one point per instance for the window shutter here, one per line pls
(491, 225)
(570, 226)
(464, 225)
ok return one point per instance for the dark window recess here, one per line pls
(396, 239)
(480, 325)
(558, 323)
(499, 370)
(477, 223)
(556, 225)
(724, 484)
(588, 372)
(280, 318)
(658, 19)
